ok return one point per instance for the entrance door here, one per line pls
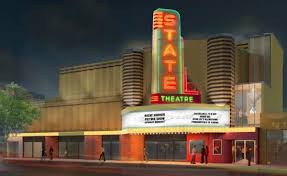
(241, 148)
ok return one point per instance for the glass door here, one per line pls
(239, 151)
(242, 147)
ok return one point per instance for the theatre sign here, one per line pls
(174, 98)
(169, 77)
(167, 60)
(176, 118)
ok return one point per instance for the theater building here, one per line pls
(167, 98)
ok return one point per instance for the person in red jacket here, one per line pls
(51, 153)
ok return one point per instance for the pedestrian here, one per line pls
(202, 154)
(193, 154)
(43, 153)
(102, 156)
(51, 153)
(206, 154)
(66, 153)
(242, 152)
(233, 153)
(145, 154)
(248, 156)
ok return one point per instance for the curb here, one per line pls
(110, 164)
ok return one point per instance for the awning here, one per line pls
(163, 130)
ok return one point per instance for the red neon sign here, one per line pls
(169, 79)
(167, 23)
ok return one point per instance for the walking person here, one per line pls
(43, 153)
(66, 153)
(242, 152)
(51, 150)
(193, 154)
(102, 156)
(202, 154)
(145, 155)
(206, 154)
(248, 156)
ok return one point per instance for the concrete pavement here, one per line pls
(262, 169)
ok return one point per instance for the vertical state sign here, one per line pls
(167, 59)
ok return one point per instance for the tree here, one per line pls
(17, 110)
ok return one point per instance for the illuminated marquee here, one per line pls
(167, 58)
(176, 118)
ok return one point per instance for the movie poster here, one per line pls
(217, 147)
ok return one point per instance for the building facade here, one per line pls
(167, 99)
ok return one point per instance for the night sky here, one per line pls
(39, 37)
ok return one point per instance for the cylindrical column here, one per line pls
(220, 71)
(132, 75)
(220, 68)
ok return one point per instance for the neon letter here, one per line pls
(169, 50)
(169, 33)
(169, 64)
(169, 20)
(169, 83)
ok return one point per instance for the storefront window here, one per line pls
(62, 149)
(33, 146)
(179, 149)
(37, 149)
(165, 150)
(165, 147)
(151, 150)
(116, 150)
(28, 152)
(277, 146)
(112, 147)
(12, 149)
(71, 147)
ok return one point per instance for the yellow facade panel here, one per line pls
(90, 81)
(79, 117)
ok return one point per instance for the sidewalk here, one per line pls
(262, 169)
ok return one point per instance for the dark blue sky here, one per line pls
(38, 37)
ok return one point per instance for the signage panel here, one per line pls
(176, 118)
(174, 98)
(167, 61)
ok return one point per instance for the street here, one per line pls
(48, 169)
